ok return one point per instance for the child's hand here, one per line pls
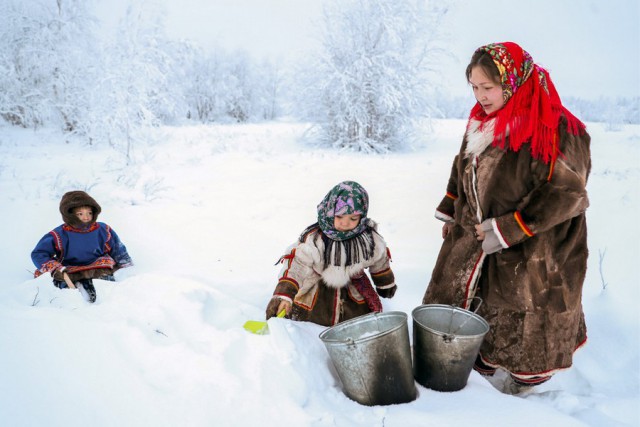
(286, 306)
(276, 305)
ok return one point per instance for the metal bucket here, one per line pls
(372, 356)
(446, 341)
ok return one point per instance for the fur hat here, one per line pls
(76, 199)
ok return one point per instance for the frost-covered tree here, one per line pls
(368, 82)
(44, 65)
(203, 86)
(268, 96)
(132, 92)
(240, 90)
(231, 87)
(614, 112)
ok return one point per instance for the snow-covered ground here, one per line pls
(205, 213)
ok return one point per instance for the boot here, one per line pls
(87, 285)
(516, 388)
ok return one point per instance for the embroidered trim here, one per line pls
(337, 308)
(290, 281)
(483, 368)
(473, 280)
(380, 273)
(451, 196)
(92, 227)
(102, 262)
(107, 246)
(289, 259)
(523, 375)
(57, 242)
(353, 293)
(307, 307)
(522, 225)
(48, 266)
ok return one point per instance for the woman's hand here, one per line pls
(446, 229)
(479, 232)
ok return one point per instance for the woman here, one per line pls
(515, 230)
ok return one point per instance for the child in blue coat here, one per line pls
(81, 249)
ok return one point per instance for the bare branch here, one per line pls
(602, 254)
(35, 298)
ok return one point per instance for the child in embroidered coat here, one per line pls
(81, 249)
(323, 280)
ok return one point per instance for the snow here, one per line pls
(205, 213)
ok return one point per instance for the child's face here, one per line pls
(84, 214)
(346, 222)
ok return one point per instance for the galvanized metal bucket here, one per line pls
(446, 341)
(372, 356)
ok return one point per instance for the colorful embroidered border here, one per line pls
(102, 262)
(381, 273)
(93, 227)
(290, 281)
(522, 225)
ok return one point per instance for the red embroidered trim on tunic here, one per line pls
(102, 262)
(93, 227)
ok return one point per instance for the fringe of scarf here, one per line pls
(356, 249)
(531, 115)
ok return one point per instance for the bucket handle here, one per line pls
(450, 336)
(479, 303)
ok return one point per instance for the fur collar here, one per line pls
(338, 276)
(479, 139)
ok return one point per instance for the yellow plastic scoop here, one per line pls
(258, 327)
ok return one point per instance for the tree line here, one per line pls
(363, 89)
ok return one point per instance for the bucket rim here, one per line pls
(472, 314)
(360, 319)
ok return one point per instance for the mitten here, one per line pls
(272, 307)
(58, 274)
(387, 292)
(490, 244)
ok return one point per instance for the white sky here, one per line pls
(591, 47)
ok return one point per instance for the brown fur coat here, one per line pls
(531, 289)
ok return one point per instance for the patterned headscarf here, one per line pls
(346, 198)
(532, 108)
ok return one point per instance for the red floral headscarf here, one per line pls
(532, 106)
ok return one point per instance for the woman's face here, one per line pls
(487, 91)
(346, 222)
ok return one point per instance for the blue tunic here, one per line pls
(95, 247)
